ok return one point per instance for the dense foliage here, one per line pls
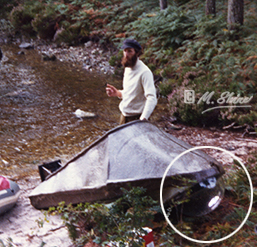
(121, 222)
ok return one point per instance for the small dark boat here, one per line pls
(133, 154)
(9, 194)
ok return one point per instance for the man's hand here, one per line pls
(113, 91)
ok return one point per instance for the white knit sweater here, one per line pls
(139, 93)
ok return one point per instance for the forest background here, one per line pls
(203, 46)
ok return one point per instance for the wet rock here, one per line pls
(95, 52)
(88, 44)
(82, 114)
(19, 94)
(87, 67)
(5, 162)
(48, 57)
(13, 93)
(21, 53)
(28, 82)
(26, 45)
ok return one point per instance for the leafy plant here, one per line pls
(5, 26)
(22, 15)
(44, 23)
(167, 28)
(222, 64)
(120, 222)
(9, 243)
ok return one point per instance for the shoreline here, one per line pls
(24, 225)
(90, 56)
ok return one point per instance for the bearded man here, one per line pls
(138, 96)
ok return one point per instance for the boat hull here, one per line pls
(134, 154)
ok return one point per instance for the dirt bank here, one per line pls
(22, 226)
(242, 146)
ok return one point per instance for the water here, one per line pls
(37, 104)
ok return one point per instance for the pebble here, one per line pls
(48, 57)
(5, 162)
(82, 114)
(26, 45)
(88, 44)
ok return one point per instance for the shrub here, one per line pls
(222, 64)
(22, 15)
(121, 221)
(44, 23)
(166, 29)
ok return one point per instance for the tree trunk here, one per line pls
(210, 7)
(163, 4)
(235, 13)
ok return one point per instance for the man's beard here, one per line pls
(129, 62)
